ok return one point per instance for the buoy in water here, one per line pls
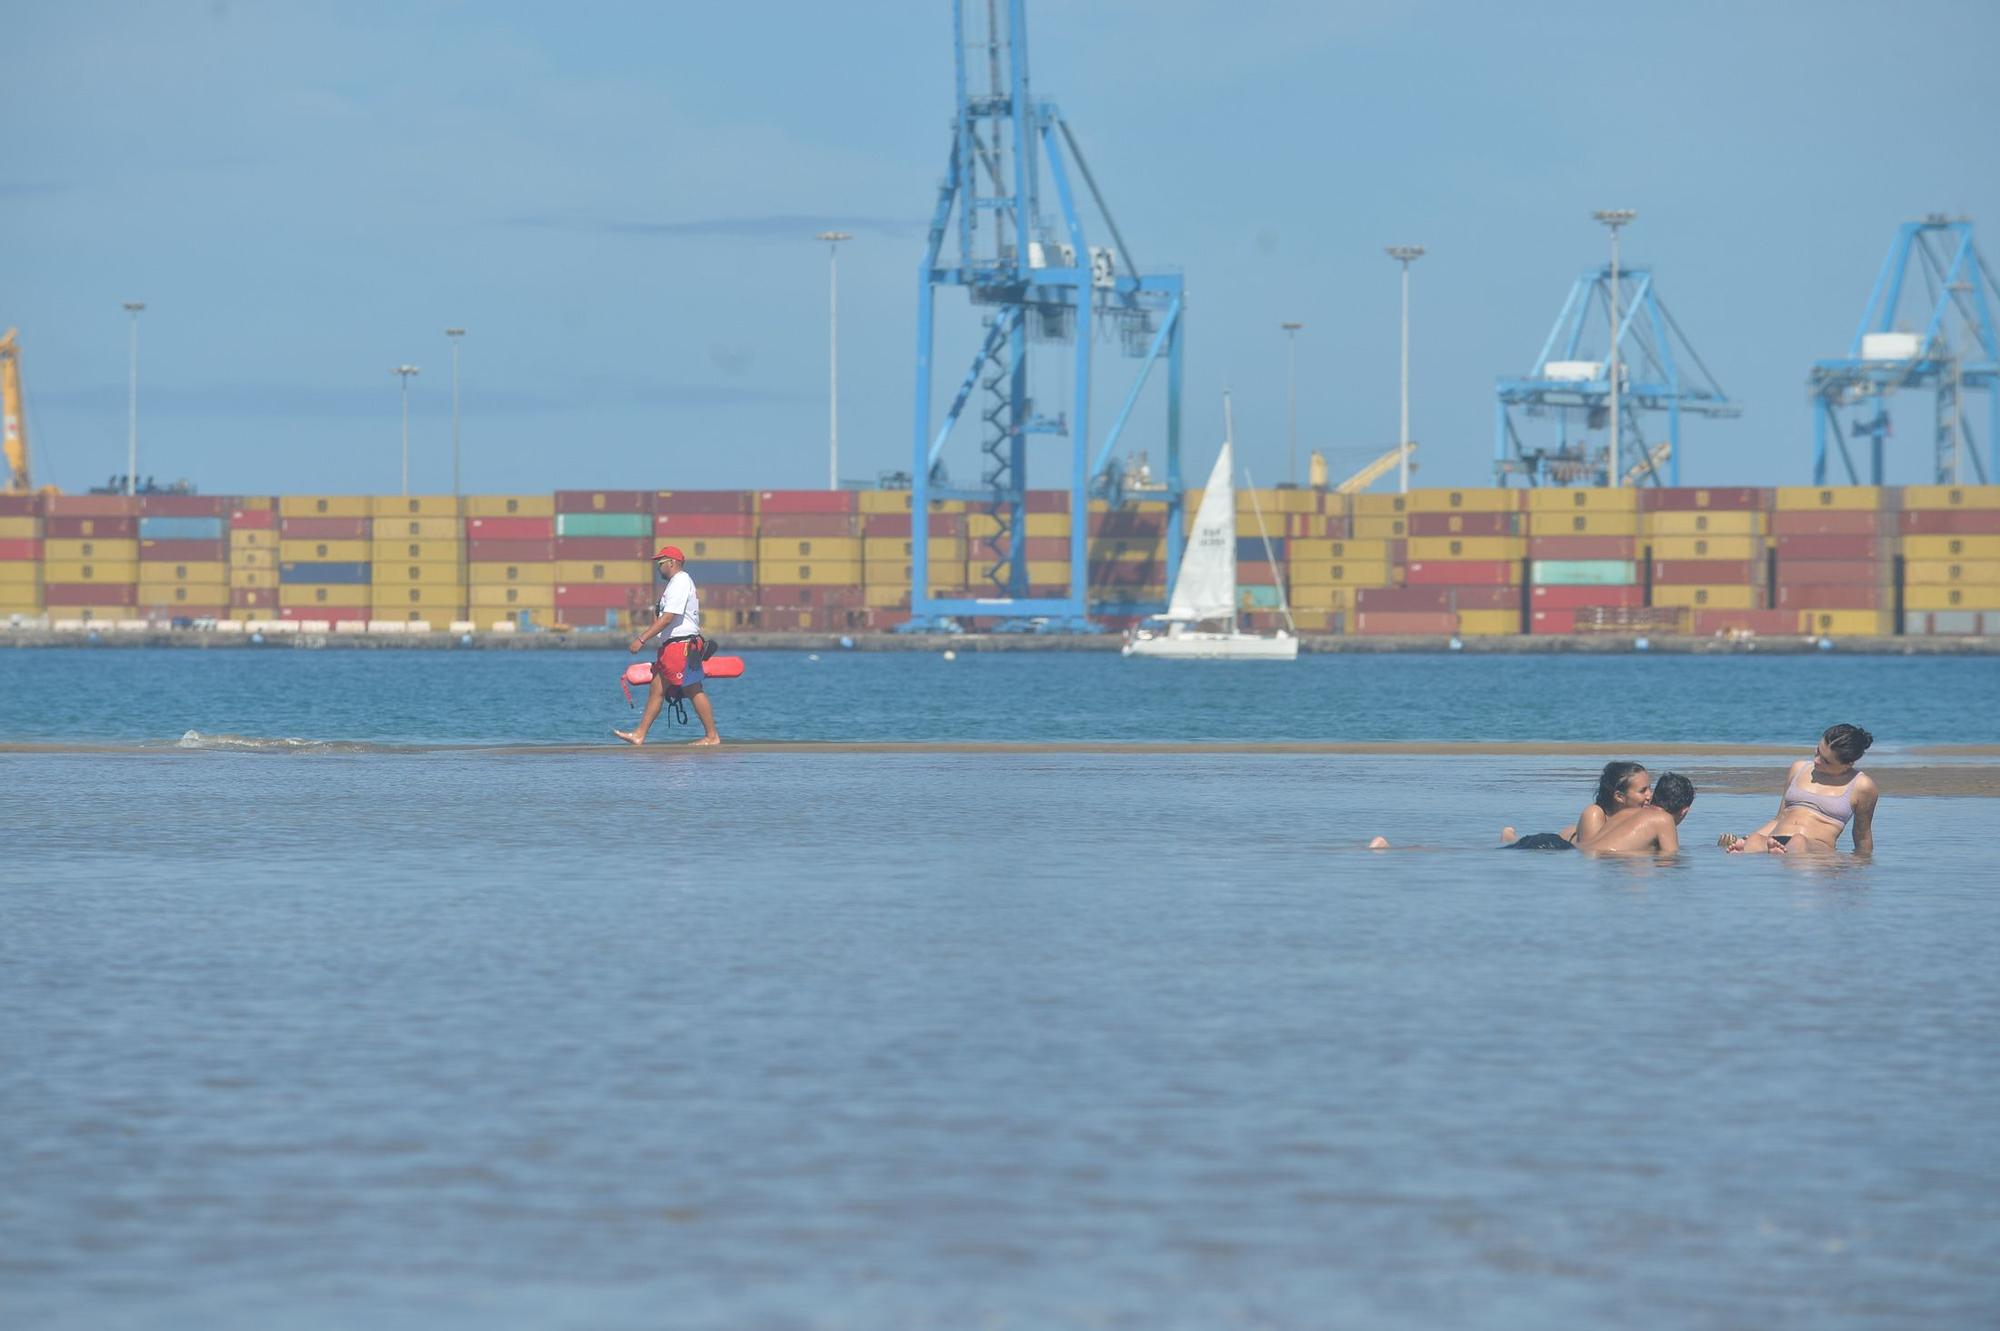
(950, 655)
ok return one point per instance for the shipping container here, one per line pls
(127, 550)
(627, 526)
(1870, 571)
(446, 603)
(1854, 623)
(90, 570)
(819, 596)
(1950, 623)
(323, 529)
(406, 507)
(885, 502)
(1693, 523)
(1552, 522)
(1831, 522)
(510, 529)
(19, 572)
(741, 503)
(704, 548)
(421, 529)
(1359, 506)
(535, 596)
(1969, 596)
(1951, 547)
(1327, 597)
(681, 526)
(603, 503)
(510, 506)
(1463, 572)
(1863, 498)
(303, 594)
(634, 572)
(352, 552)
(20, 529)
(1716, 597)
(183, 529)
(1488, 623)
(394, 572)
(1411, 623)
(1832, 547)
(596, 548)
(510, 552)
(1582, 547)
(771, 502)
(1581, 499)
(1127, 524)
(158, 551)
(1584, 573)
(100, 528)
(1382, 551)
(1466, 547)
(253, 598)
(421, 552)
(20, 550)
(1378, 527)
(89, 506)
(1573, 596)
(537, 574)
(253, 577)
(1735, 549)
(1551, 621)
(814, 526)
(348, 572)
(1834, 596)
(1343, 573)
(243, 539)
(602, 596)
(1704, 498)
(815, 573)
(1944, 572)
(103, 594)
(353, 507)
(1422, 523)
(1487, 500)
(1985, 497)
(1949, 522)
(724, 573)
(1746, 571)
(207, 570)
(845, 549)
(253, 519)
(20, 506)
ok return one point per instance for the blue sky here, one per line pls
(618, 201)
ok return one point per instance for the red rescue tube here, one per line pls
(716, 667)
(722, 667)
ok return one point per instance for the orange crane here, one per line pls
(19, 480)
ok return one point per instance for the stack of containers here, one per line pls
(717, 531)
(1583, 557)
(1467, 545)
(604, 552)
(253, 559)
(323, 565)
(417, 557)
(1706, 553)
(888, 552)
(1125, 553)
(1385, 603)
(1834, 566)
(809, 560)
(1260, 517)
(184, 557)
(90, 556)
(1321, 575)
(1951, 559)
(20, 556)
(510, 560)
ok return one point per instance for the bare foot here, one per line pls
(705, 742)
(1508, 836)
(630, 736)
(1379, 843)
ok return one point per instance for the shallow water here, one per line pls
(469, 1038)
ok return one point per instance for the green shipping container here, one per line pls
(1250, 596)
(604, 524)
(1584, 573)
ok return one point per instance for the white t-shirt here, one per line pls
(678, 598)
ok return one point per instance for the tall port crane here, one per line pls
(1040, 280)
(1951, 348)
(14, 419)
(1570, 390)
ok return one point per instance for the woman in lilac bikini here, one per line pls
(1823, 795)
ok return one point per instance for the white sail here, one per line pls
(1206, 587)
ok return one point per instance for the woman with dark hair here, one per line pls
(1620, 786)
(1824, 794)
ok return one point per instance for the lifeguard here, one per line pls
(679, 663)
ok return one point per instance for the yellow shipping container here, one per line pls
(253, 577)
(1708, 547)
(413, 506)
(322, 506)
(252, 558)
(510, 506)
(630, 572)
(423, 552)
(1487, 500)
(1467, 547)
(717, 547)
(91, 570)
(842, 548)
(321, 552)
(1873, 623)
(1850, 498)
(1682, 523)
(348, 596)
(1102, 551)
(183, 593)
(1941, 547)
(491, 574)
(18, 572)
(897, 550)
(1343, 573)
(1951, 496)
(1585, 523)
(1709, 597)
(885, 596)
(1582, 499)
(540, 596)
(1379, 505)
(424, 598)
(19, 601)
(1322, 548)
(398, 572)
(1048, 524)
(1269, 502)
(1379, 528)
(1942, 572)
(818, 573)
(1962, 597)
(20, 529)
(1322, 596)
(201, 571)
(1488, 623)
(95, 548)
(245, 539)
(417, 529)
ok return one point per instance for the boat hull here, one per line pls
(1214, 647)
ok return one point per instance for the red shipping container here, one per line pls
(601, 596)
(801, 595)
(1830, 547)
(1950, 522)
(1822, 572)
(604, 501)
(20, 506)
(330, 614)
(1248, 572)
(1708, 572)
(510, 529)
(839, 502)
(1128, 524)
(1048, 501)
(1840, 596)
(323, 529)
(1715, 499)
(185, 506)
(728, 598)
(706, 524)
(1552, 621)
(1583, 547)
(1708, 623)
(892, 525)
(184, 552)
(1049, 548)
(604, 547)
(253, 598)
(1830, 522)
(1403, 599)
(793, 525)
(1485, 598)
(1464, 524)
(89, 506)
(720, 503)
(1577, 598)
(510, 552)
(26, 547)
(89, 593)
(253, 519)
(1422, 623)
(1463, 572)
(73, 528)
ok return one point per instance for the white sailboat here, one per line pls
(1200, 623)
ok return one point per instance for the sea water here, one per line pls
(444, 1024)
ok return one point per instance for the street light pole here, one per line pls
(405, 372)
(1405, 255)
(1615, 218)
(833, 239)
(455, 334)
(1292, 399)
(133, 308)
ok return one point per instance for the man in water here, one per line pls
(680, 622)
(1652, 829)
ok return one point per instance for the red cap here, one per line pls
(670, 552)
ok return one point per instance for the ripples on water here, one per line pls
(471, 1039)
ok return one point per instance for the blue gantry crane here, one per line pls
(1952, 349)
(1040, 281)
(1569, 390)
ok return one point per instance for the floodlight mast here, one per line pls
(1615, 218)
(1405, 255)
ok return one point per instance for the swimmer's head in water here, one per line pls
(1623, 786)
(1674, 793)
(1844, 744)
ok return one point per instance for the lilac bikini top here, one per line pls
(1839, 807)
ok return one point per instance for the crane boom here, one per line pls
(19, 481)
(1374, 471)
